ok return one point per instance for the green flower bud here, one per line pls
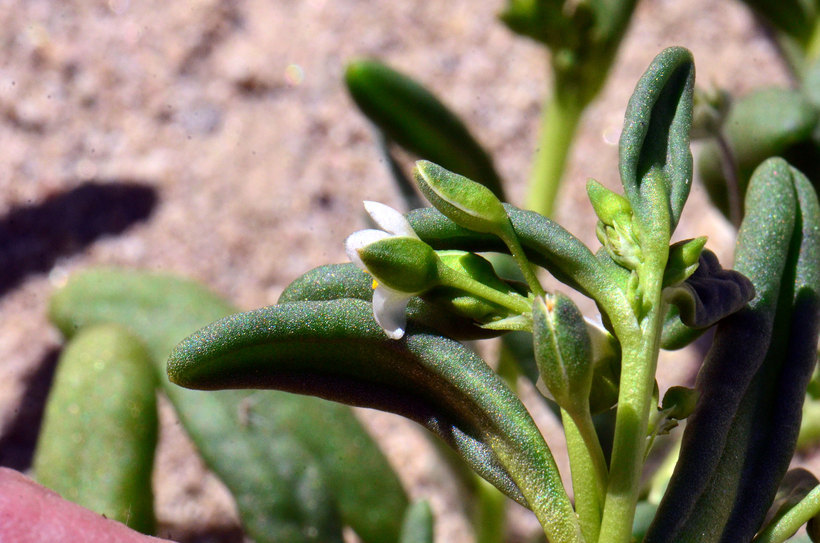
(465, 202)
(563, 351)
(683, 260)
(614, 228)
(401, 263)
(609, 206)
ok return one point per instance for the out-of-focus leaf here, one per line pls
(795, 18)
(266, 447)
(766, 123)
(417, 526)
(410, 115)
(96, 446)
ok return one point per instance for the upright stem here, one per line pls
(588, 470)
(560, 116)
(640, 358)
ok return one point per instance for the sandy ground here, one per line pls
(225, 148)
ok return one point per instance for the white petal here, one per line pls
(389, 309)
(389, 219)
(359, 240)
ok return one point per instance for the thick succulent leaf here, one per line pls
(676, 335)
(766, 123)
(655, 161)
(710, 293)
(96, 446)
(546, 243)
(334, 281)
(410, 115)
(796, 484)
(738, 443)
(266, 447)
(335, 350)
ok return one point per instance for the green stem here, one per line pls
(789, 523)
(451, 278)
(640, 357)
(512, 242)
(588, 470)
(559, 121)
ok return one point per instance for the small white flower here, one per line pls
(389, 305)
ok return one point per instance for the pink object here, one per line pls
(30, 513)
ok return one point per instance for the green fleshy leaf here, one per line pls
(546, 243)
(334, 281)
(417, 526)
(679, 402)
(766, 123)
(655, 161)
(335, 350)
(96, 446)
(266, 447)
(414, 118)
(796, 484)
(754, 379)
(563, 351)
(675, 334)
(684, 258)
(710, 293)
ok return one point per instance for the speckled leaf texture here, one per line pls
(293, 463)
(739, 441)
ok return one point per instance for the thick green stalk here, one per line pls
(559, 121)
(640, 358)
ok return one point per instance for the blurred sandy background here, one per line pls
(215, 140)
